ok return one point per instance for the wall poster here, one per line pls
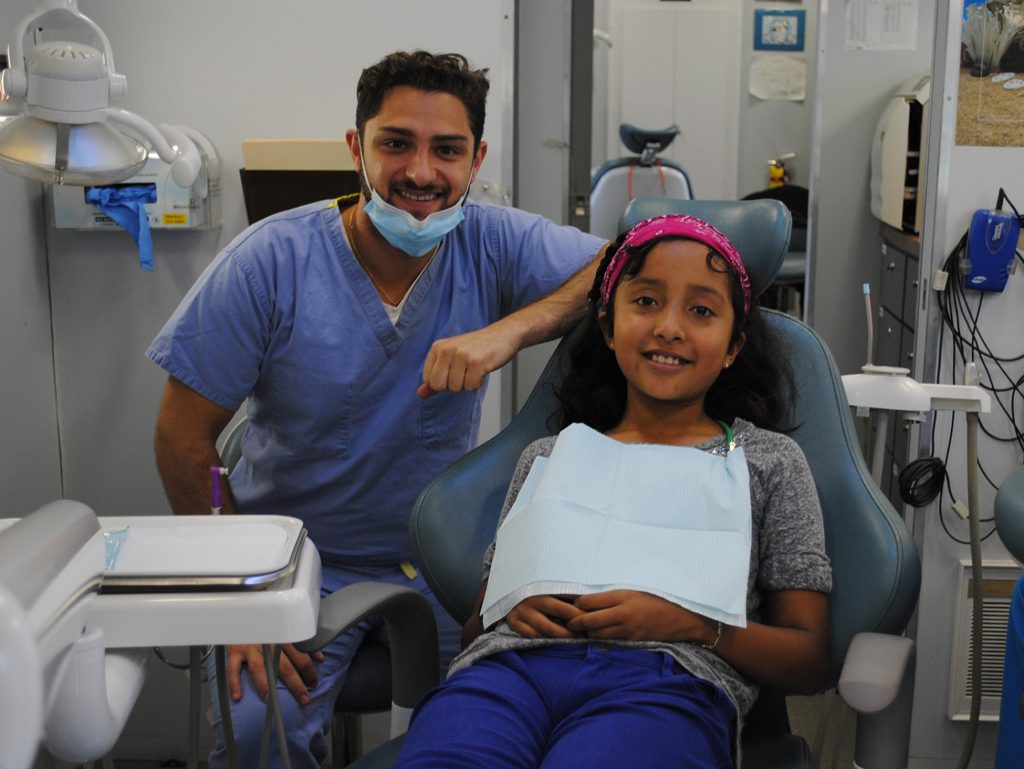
(779, 30)
(990, 100)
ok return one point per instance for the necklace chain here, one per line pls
(355, 252)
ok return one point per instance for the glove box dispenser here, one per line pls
(167, 206)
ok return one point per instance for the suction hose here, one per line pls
(976, 601)
(96, 694)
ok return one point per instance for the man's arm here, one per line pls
(461, 362)
(187, 429)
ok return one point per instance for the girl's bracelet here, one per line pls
(718, 637)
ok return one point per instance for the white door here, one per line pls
(681, 65)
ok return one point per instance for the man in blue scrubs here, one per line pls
(360, 331)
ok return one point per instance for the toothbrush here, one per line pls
(215, 489)
(871, 330)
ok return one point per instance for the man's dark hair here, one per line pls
(443, 72)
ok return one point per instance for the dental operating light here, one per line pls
(61, 127)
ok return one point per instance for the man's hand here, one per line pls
(460, 363)
(297, 670)
(543, 616)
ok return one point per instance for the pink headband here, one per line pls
(682, 226)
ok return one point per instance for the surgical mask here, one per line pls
(404, 231)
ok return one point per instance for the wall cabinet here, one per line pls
(895, 314)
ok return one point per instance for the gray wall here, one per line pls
(770, 127)
(29, 450)
(542, 137)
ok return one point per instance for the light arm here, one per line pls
(168, 142)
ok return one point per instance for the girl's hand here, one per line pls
(633, 615)
(543, 616)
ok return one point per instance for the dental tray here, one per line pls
(201, 552)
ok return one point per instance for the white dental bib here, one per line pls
(598, 515)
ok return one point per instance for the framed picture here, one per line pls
(779, 30)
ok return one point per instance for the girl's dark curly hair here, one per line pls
(757, 387)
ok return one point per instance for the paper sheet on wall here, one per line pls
(881, 25)
(778, 77)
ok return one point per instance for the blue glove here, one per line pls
(125, 206)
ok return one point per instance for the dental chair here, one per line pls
(876, 568)
(787, 289)
(58, 683)
(620, 180)
(1009, 515)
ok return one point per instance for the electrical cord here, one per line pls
(930, 475)
(921, 481)
(179, 665)
(947, 487)
(969, 343)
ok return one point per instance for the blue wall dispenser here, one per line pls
(991, 249)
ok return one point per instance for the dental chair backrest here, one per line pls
(620, 180)
(1009, 513)
(875, 563)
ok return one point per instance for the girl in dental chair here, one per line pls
(663, 556)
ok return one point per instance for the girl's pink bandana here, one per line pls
(682, 226)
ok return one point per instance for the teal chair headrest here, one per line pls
(758, 228)
(1009, 513)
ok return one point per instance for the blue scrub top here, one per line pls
(287, 318)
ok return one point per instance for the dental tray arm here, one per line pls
(412, 632)
(877, 681)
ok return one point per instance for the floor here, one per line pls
(836, 747)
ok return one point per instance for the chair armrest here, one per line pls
(412, 632)
(874, 670)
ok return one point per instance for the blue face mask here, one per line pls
(404, 231)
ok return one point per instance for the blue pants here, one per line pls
(1010, 741)
(305, 727)
(580, 705)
